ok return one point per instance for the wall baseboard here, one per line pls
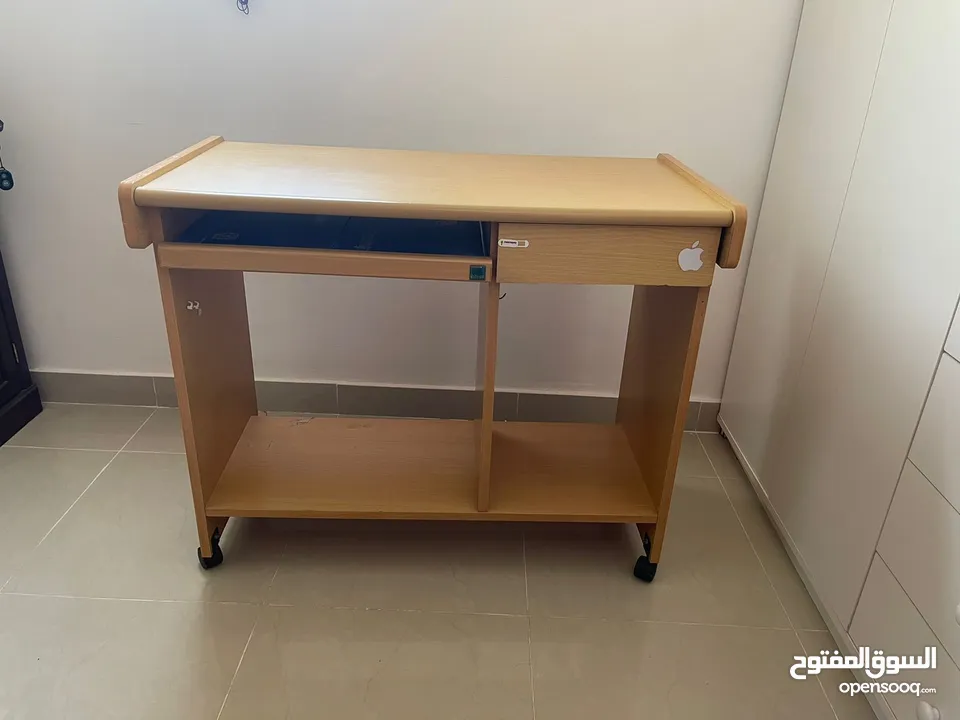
(374, 400)
(836, 627)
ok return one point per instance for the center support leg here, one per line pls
(486, 374)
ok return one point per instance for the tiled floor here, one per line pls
(104, 612)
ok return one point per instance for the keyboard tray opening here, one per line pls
(339, 232)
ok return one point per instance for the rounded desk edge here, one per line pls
(135, 228)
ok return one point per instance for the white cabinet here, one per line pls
(831, 77)
(936, 447)
(841, 424)
(953, 339)
(921, 546)
(845, 312)
(887, 620)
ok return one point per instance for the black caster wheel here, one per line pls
(208, 563)
(644, 569)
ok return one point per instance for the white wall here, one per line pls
(95, 91)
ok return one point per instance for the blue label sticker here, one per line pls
(478, 272)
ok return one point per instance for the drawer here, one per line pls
(953, 339)
(606, 254)
(920, 543)
(886, 620)
(936, 446)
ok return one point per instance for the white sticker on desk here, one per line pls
(689, 258)
(504, 242)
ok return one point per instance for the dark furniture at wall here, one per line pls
(19, 398)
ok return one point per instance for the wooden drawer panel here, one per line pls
(606, 254)
(936, 446)
(886, 620)
(921, 545)
(324, 262)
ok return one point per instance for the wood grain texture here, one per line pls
(350, 467)
(322, 262)
(139, 225)
(604, 254)
(411, 184)
(486, 381)
(567, 472)
(213, 374)
(731, 239)
(663, 339)
(406, 469)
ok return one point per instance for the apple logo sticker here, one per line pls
(689, 258)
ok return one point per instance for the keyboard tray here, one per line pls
(337, 232)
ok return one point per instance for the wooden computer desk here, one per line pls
(539, 220)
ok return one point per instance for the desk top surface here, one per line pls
(401, 183)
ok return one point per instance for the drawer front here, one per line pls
(920, 543)
(953, 339)
(936, 446)
(886, 620)
(606, 254)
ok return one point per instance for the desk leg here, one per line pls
(206, 317)
(486, 375)
(663, 339)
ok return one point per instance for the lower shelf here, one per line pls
(399, 468)
(349, 467)
(566, 472)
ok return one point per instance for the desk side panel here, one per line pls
(663, 338)
(207, 327)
